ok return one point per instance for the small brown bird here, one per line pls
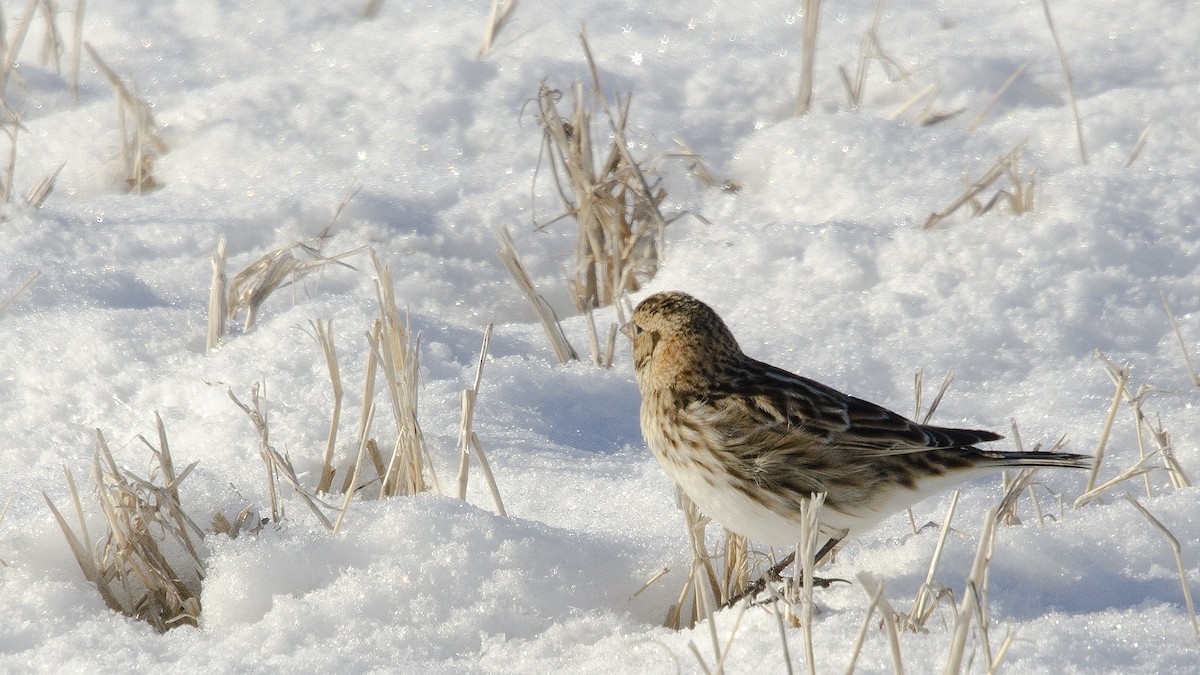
(748, 442)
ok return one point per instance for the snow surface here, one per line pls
(274, 111)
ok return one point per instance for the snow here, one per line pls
(274, 112)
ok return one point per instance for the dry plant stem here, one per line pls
(1137, 147)
(621, 229)
(1137, 469)
(866, 582)
(465, 432)
(1122, 379)
(368, 414)
(11, 128)
(272, 271)
(972, 605)
(994, 666)
(40, 191)
(76, 48)
(3, 513)
(996, 97)
(368, 411)
(708, 606)
(218, 309)
(486, 468)
(257, 416)
(990, 176)
(812, 10)
(498, 18)
(874, 587)
(323, 334)
(810, 531)
(563, 350)
(737, 623)
(131, 569)
(654, 578)
(925, 597)
(398, 356)
(1187, 357)
(929, 94)
(20, 289)
(14, 45)
(868, 50)
(140, 148)
(1178, 551)
(1062, 57)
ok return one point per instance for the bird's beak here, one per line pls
(627, 329)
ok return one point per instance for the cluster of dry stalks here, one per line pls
(611, 198)
(259, 280)
(136, 567)
(146, 564)
(49, 56)
(393, 354)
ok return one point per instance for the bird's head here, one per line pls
(679, 343)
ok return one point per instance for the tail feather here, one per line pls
(1035, 459)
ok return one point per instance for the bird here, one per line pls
(750, 443)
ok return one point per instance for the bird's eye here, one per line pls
(636, 330)
(631, 330)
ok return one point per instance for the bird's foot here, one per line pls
(772, 576)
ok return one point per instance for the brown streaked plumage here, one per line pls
(749, 442)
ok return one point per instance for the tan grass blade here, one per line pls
(1178, 551)
(20, 289)
(987, 107)
(323, 334)
(1137, 147)
(1187, 357)
(142, 145)
(352, 478)
(563, 350)
(498, 18)
(812, 10)
(40, 191)
(971, 609)
(1062, 57)
(974, 189)
(218, 309)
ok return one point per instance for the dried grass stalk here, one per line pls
(973, 608)
(20, 289)
(563, 350)
(498, 18)
(996, 97)
(1021, 199)
(718, 576)
(1178, 551)
(323, 334)
(141, 144)
(279, 466)
(615, 206)
(874, 587)
(1187, 356)
(927, 595)
(1062, 57)
(812, 10)
(146, 530)
(40, 191)
(218, 306)
(397, 352)
(274, 270)
(1137, 146)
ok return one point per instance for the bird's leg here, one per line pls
(759, 585)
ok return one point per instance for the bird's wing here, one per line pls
(781, 405)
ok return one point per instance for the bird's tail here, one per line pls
(1033, 459)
